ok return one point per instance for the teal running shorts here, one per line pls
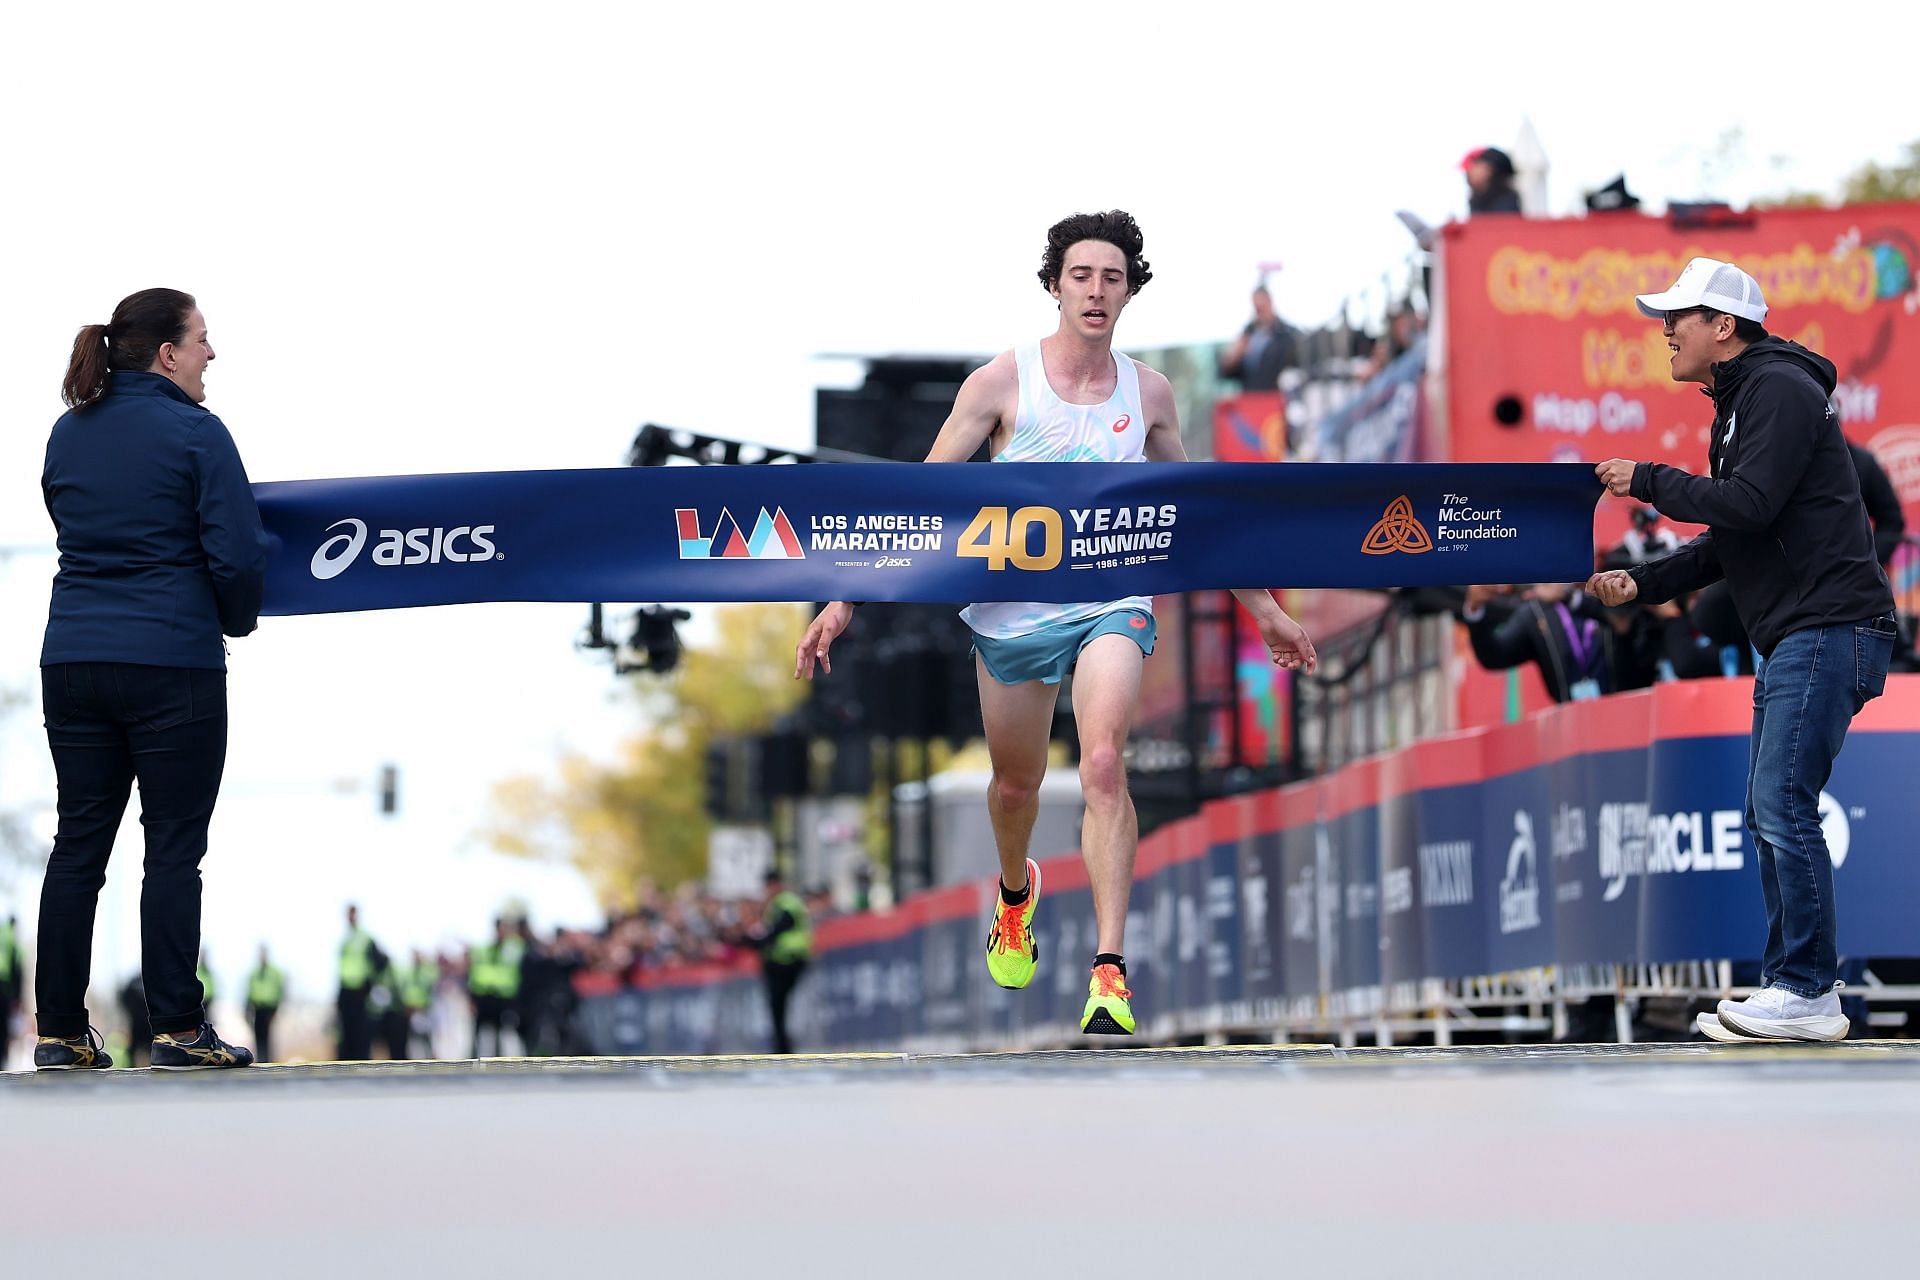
(1049, 653)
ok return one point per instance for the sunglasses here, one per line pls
(1672, 320)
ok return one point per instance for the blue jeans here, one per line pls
(1804, 697)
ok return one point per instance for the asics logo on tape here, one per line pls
(341, 550)
(426, 545)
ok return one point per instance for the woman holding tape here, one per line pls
(161, 552)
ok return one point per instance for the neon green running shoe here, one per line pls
(1107, 1013)
(1012, 950)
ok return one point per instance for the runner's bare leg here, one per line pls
(1106, 694)
(1018, 719)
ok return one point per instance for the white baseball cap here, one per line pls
(1708, 282)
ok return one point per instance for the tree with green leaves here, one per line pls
(643, 816)
(1873, 182)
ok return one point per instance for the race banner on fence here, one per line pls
(1250, 427)
(1606, 832)
(1027, 531)
(1552, 361)
(1384, 422)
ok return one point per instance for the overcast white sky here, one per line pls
(442, 237)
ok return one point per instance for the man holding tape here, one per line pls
(1787, 529)
(1068, 398)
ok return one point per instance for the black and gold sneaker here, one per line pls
(201, 1051)
(81, 1053)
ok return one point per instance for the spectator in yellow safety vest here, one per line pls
(12, 982)
(389, 1014)
(418, 981)
(358, 963)
(266, 989)
(493, 982)
(785, 942)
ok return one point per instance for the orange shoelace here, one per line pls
(1107, 978)
(1012, 926)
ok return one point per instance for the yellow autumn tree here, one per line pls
(643, 815)
(1897, 181)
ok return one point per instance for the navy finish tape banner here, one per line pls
(891, 531)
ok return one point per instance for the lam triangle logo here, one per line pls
(772, 538)
(1398, 530)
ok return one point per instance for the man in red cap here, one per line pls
(1489, 173)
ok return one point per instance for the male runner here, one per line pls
(1067, 398)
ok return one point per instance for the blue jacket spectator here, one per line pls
(161, 547)
(161, 550)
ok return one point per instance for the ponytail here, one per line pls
(87, 370)
(142, 324)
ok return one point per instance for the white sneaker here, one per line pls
(1778, 1013)
(1710, 1026)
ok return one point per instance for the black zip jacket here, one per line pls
(1785, 524)
(1883, 504)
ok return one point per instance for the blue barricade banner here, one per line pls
(1028, 531)
(1184, 884)
(1599, 855)
(1515, 862)
(1597, 833)
(1302, 966)
(1262, 910)
(1402, 944)
(1221, 916)
(1353, 885)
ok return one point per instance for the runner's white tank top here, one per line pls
(1048, 429)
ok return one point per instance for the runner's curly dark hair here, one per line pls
(1115, 226)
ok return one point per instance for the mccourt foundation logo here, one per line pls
(1398, 530)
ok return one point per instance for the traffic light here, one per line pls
(389, 790)
(720, 780)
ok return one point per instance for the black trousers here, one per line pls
(495, 1012)
(781, 980)
(356, 1025)
(110, 724)
(396, 1029)
(263, 1032)
(7, 999)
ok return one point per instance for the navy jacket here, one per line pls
(1781, 501)
(161, 548)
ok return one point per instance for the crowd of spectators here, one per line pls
(1319, 369)
(674, 930)
(1584, 649)
(1581, 648)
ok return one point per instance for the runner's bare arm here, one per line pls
(987, 398)
(1163, 418)
(1285, 639)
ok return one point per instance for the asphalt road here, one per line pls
(1654, 1160)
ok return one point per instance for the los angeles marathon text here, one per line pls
(876, 533)
(894, 533)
